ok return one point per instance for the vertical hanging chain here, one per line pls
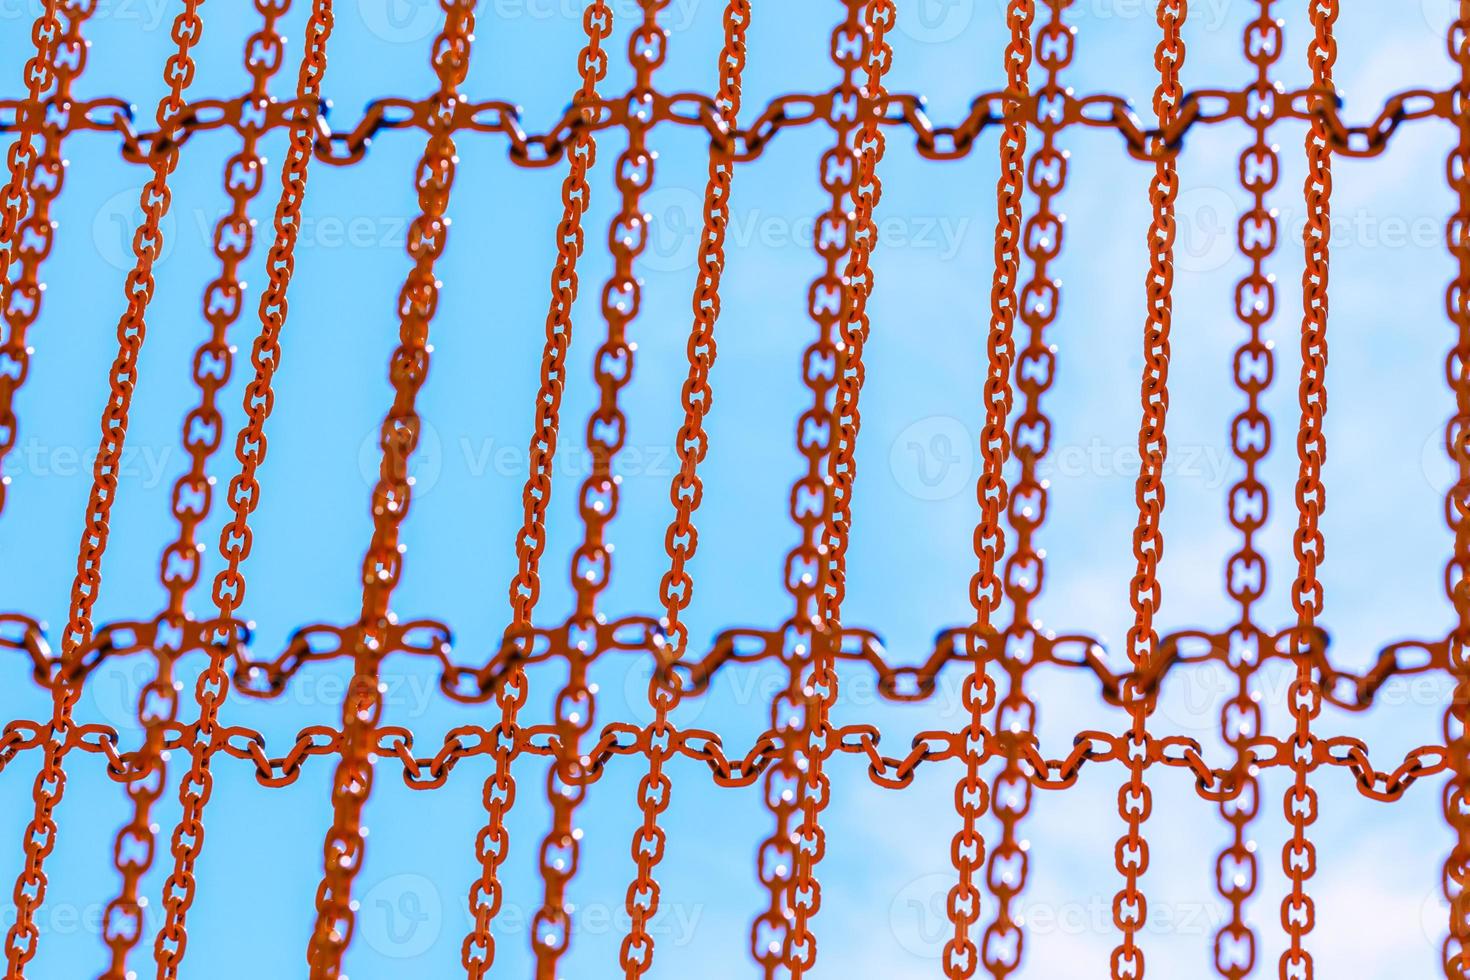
(362, 706)
(971, 794)
(203, 428)
(607, 433)
(842, 426)
(493, 842)
(40, 76)
(681, 540)
(1135, 800)
(1025, 569)
(1299, 855)
(26, 234)
(1457, 514)
(775, 943)
(1246, 507)
(50, 783)
(223, 299)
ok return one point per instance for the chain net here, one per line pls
(186, 738)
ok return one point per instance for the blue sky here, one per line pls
(910, 559)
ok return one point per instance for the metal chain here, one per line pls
(1298, 855)
(362, 706)
(203, 431)
(35, 182)
(778, 936)
(1010, 793)
(607, 433)
(493, 843)
(681, 540)
(50, 783)
(213, 365)
(1246, 577)
(843, 427)
(1135, 800)
(971, 793)
(1457, 513)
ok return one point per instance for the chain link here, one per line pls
(1003, 945)
(383, 564)
(50, 783)
(1249, 500)
(493, 842)
(1299, 855)
(681, 540)
(795, 788)
(1457, 513)
(1135, 799)
(794, 757)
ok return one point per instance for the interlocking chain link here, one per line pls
(972, 795)
(383, 564)
(1135, 799)
(1299, 855)
(493, 842)
(795, 788)
(607, 433)
(134, 846)
(795, 758)
(36, 179)
(1003, 944)
(1457, 513)
(681, 540)
(1248, 504)
(50, 783)
(213, 364)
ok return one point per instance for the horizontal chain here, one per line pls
(343, 147)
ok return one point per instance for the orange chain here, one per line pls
(203, 431)
(1457, 513)
(792, 756)
(607, 432)
(50, 784)
(681, 540)
(971, 794)
(245, 175)
(779, 937)
(1249, 501)
(383, 564)
(1135, 800)
(1299, 855)
(1010, 792)
(843, 427)
(35, 182)
(493, 842)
